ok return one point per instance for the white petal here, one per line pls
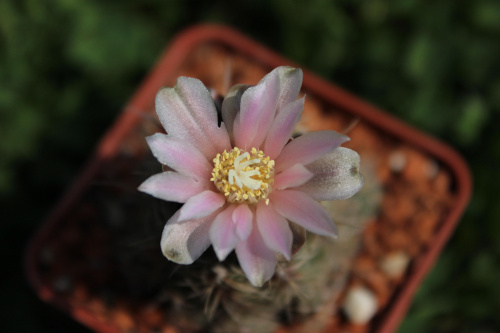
(256, 259)
(336, 176)
(180, 156)
(183, 242)
(282, 128)
(231, 107)
(242, 218)
(291, 177)
(223, 234)
(187, 111)
(202, 204)
(290, 82)
(257, 110)
(298, 207)
(308, 148)
(274, 229)
(172, 186)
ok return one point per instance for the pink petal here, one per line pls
(222, 233)
(336, 176)
(274, 229)
(183, 242)
(298, 207)
(308, 148)
(172, 186)
(291, 177)
(231, 107)
(290, 82)
(188, 112)
(180, 156)
(202, 204)
(257, 110)
(256, 259)
(282, 128)
(242, 218)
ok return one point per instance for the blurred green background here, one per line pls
(67, 67)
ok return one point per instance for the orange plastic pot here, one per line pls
(164, 73)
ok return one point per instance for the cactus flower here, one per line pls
(244, 180)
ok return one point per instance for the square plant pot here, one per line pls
(92, 256)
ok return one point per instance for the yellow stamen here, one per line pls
(243, 176)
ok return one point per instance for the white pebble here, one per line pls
(397, 161)
(360, 305)
(431, 169)
(394, 264)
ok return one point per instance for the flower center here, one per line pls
(243, 176)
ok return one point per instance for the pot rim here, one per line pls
(170, 59)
